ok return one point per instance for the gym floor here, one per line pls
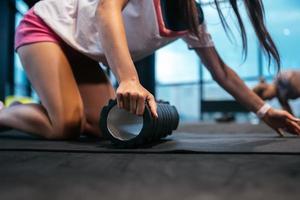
(199, 161)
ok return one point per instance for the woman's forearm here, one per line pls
(239, 90)
(130, 95)
(228, 79)
(113, 39)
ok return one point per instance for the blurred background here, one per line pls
(176, 74)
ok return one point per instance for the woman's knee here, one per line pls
(92, 126)
(68, 125)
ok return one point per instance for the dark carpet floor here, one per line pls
(200, 161)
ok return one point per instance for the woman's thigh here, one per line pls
(50, 74)
(94, 86)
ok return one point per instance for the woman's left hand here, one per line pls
(282, 121)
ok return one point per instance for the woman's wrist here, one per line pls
(126, 74)
(263, 110)
(129, 79)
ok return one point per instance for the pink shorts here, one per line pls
(33, 29)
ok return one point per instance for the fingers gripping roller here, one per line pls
(127, 130)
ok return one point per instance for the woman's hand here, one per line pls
(282, 121)
(132, 96)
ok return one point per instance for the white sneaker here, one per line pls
(4, 128)
(1, 105)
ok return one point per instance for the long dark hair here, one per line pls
(190, 14)
(256, 13)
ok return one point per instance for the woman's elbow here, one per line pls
(105, 6)
(101, 10)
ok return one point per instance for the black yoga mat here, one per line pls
(193, 138)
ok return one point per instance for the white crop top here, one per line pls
(75, 22)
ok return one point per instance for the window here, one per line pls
(283, 19)
(283, 22)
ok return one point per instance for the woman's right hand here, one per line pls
(282, 121)
(132, 96)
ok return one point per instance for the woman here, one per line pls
(61, 42)
(284, 87)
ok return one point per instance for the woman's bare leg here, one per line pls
(61, 113)
(93, 105)
(95, 89)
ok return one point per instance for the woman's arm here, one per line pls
(228, 79)
(130, 94)
(231, 82)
